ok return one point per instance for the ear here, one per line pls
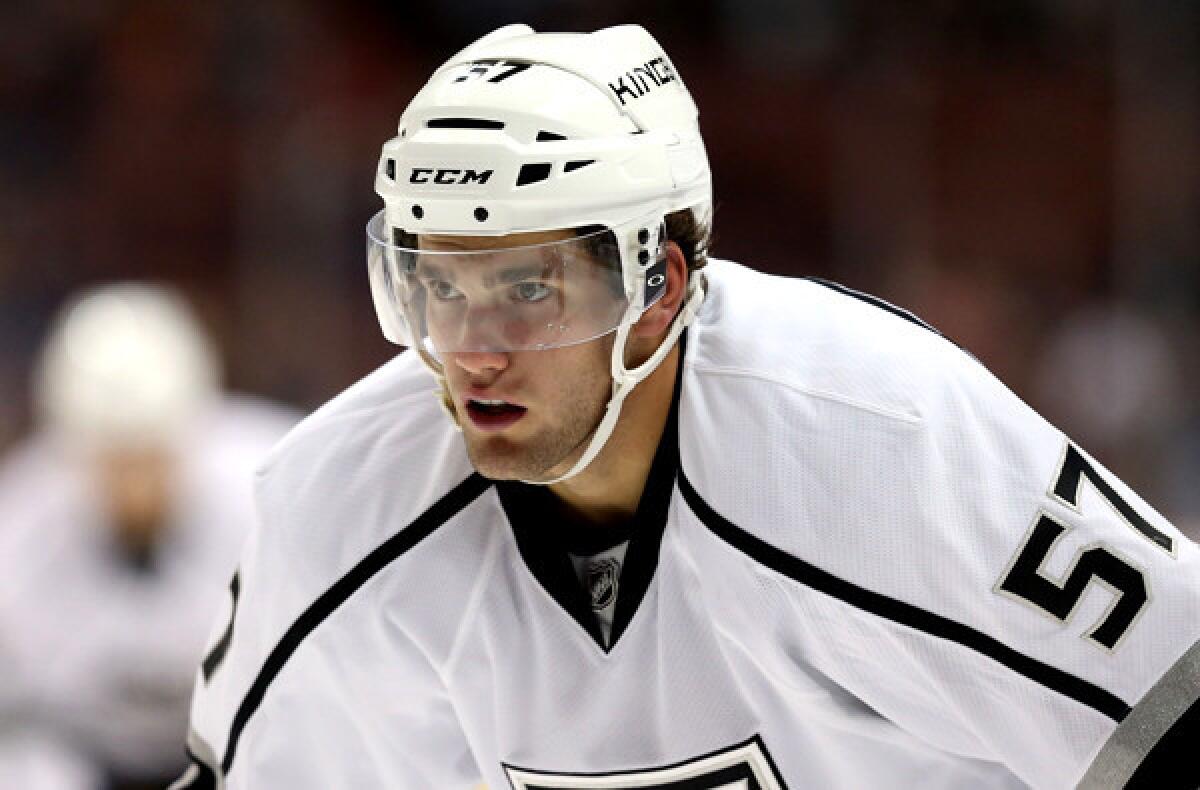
(658, 316)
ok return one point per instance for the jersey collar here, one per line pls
(544, 542)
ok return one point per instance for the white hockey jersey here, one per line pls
(860, 562)
(98, 649)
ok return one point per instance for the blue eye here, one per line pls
(531, 292)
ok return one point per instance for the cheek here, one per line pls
(593, 380)
(579, 378)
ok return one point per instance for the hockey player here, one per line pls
(120, 525)
(686, 525)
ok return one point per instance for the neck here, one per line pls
(609, 489)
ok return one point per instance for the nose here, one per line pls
(471, 326)
(479, 362)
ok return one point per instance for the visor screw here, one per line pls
(418, 212)
(643, 257)
(481, 214)
(643, 236)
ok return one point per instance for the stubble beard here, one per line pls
(579, 410)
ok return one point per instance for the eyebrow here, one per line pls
(517, 274)
(508, 276)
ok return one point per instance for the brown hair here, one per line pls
(691, 235)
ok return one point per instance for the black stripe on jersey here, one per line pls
(439, 513)
(214, 659)
(879, 605)
(877, 302)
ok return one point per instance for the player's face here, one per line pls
(136, 483)
(525, 415)
(521, 292)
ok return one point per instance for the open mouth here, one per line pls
(493, 415)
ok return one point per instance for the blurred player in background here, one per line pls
(120, 523)
(687, 525)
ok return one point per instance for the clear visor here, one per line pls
(464, 293)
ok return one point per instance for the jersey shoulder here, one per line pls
(364, 511)
(30, 469)
(829, 389)
(46, 511)
(843, 448)
(823, 340)
(874, 450)
(360, 468)
(364, 403)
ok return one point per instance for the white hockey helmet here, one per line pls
(124, 364)
(520, 132)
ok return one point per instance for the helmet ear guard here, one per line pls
(652, 263)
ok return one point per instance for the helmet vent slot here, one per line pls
(390, 169)
(531, 174)
(549, 137)
(463, 123)
(578, 163)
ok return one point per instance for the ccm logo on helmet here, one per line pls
(448, 176)
(641, 80)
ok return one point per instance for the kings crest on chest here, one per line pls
(746, 766)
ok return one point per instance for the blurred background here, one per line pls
(1024, 174)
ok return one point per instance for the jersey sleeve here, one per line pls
(951, 560)
(1058, 613)
(273, 706)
